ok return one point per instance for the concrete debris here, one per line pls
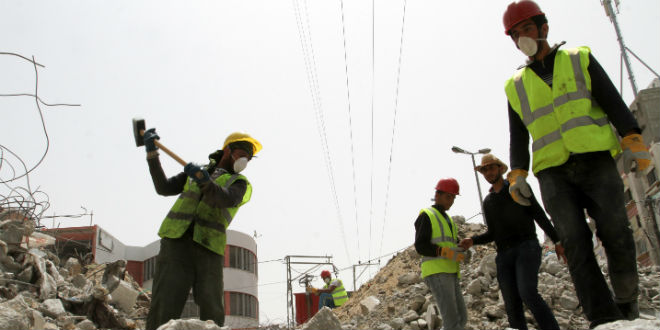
(368, 304)
(639, 324)
(191, 325)
(324, 319)
(40, 291)
(406, 302)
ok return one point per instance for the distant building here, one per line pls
(95, 244)
(642, 190)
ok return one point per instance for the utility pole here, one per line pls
(609, 11)
(365, 268)
(303, 279)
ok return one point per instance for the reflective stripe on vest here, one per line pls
(210, 222)
(339, 295)
(439, 227)
(562, 119)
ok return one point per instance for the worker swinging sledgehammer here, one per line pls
(193, 233)
(333, 293)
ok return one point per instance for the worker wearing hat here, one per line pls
(436, 238)
(511, 227)
(193, 235)
(332, 294)
(564, 99)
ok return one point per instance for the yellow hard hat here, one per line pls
(240, 136)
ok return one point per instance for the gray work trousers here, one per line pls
(446, 290)
(183, 264)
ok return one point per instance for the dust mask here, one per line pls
(240, 164)
(326, 280)
(528, 46)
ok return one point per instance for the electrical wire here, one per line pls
(373, 83)
(304, 31)
(396, 106)
(350, 127)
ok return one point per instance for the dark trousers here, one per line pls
(325, 299)
(183, 264)
(591, 181)
(517, 275)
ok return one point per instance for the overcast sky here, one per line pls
(199, 70)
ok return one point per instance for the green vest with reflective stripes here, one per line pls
(443, 234)
(562, 119)
(210, 222)
(339, 294)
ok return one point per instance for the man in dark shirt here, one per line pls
(511, 226)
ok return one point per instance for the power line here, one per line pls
(350, 124)
(396, 105)
(310, 66)
(373, 83)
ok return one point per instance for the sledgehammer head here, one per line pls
(138, 131)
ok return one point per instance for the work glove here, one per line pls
(519, 189)
(635, 155)
(150, 136)
(197, 173)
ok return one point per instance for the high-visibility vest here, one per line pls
(339, 295)
(443, 234)
(210, 222)
(562, 119)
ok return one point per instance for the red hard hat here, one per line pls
(449, 185)
(325, 274)
(518, 12)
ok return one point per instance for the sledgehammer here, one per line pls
(138, 133)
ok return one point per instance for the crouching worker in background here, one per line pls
(333, 293)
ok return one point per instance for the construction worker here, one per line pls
(564, 99)
(333, 293)
(193, 235)
(436, 236)
(511, 226)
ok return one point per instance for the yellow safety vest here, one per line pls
(210, 222)
(562, 119)
(339, 294)
(443, 234)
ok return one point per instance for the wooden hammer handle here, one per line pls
(170, 152)
(167, 151)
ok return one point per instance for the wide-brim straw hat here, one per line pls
(488, 159)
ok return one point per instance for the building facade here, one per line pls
(94, 244)
(642, 189)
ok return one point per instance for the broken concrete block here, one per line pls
(79, 281)
(124, 296)
(568, 301)
(53, 308)
(487, 265)
(13, 314)
(410, 278)
(474, 288)
(73, 266)
(37, 320)
(410, 316)
(397, 323)
(416, 302)
(368, 304)
(324, 319)
(86, 325)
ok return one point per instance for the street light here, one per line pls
(481, 151)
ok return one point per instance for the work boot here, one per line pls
(630, 310)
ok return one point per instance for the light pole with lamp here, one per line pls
(474, 165)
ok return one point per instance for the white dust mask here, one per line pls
(326, 280)
(528, 46)
(240, 164)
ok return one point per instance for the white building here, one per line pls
(94, 244)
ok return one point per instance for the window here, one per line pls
(149, 268)
(651, 178)
(242, 259)
(627, 197)
(242, 304)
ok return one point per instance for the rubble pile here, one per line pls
(398, 298)
(40, 291)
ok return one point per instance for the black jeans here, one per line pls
(517, 274)
(183, 264)
(591, 181)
